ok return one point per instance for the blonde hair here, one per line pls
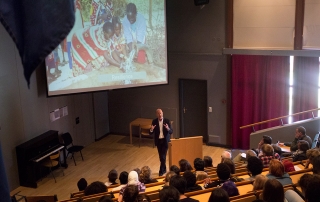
(276, 168)
(259, 182)
(145, 174)
(267, 150)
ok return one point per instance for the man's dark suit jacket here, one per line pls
(156, 130)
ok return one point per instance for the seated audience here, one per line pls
(137, 170)
(299, 135)
(231, 188)
(145, 175)
(240, 156)
(95, 188)
(199, 167)
(123, 178)
(131, 193)
(259, 182)
(168, 177)
(311, 153)
(316, 165)
(292, 196)
(113, 175)
(169, 194)
(184, 165)
(207, 162)
(191, 182)
(133, 179)
(180, 184)
(219, 195)
(273, 191)
(232, 167)
(313, 190)
(304, 182)
(223, 173)
(254, 167)
(276, 171)
(175, 169)
(82, 184)
(225, 155)
(277, 149)
(267, 155)
(265, 140)
(301, 153)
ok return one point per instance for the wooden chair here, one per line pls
(144, 131)
(52, 161)
(68, 143)
(49, 198)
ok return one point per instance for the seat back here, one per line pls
(67, 139)
(49, 198)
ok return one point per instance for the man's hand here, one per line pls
(166, 126)
(152, 127)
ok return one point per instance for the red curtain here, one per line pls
(260, 86)
(305, 86)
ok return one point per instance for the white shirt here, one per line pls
(161, 136)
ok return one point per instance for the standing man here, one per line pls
(161, 128)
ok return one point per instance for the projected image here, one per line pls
(113, 44)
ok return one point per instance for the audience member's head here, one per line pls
(288, 166)
(313, 190)
(143, 198)
(273, 191)
(113, 175)
(219, 195)
(145, 174)
(198, 164)
(231, 165)
(207, 161)
(168, 177)
(190, 178)
(169, 194)
(316, 165)
(105, 199)
(266, 139)
(259, 182)
(254, 166)
(249, 153)
(303, 145)
(131, 193)
(133, 178)
(179, 182)
(301, 130)
(267, 150)
(123, 177)
(184, 165)
(137, 170)
(311, 153)
(225, 155)
(276, 168)
(82, 184)
(223, 171)
(304, 182)
(231, 188)
(95, 188)
(175, 169)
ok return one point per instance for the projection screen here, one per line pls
(113, 44)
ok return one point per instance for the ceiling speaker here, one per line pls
(200, 2)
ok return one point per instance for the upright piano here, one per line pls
(31, 153)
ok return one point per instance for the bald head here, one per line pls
(159, 114)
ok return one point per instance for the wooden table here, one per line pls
(138, 122)
(285, 148)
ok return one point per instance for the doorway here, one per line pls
(193, 108)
